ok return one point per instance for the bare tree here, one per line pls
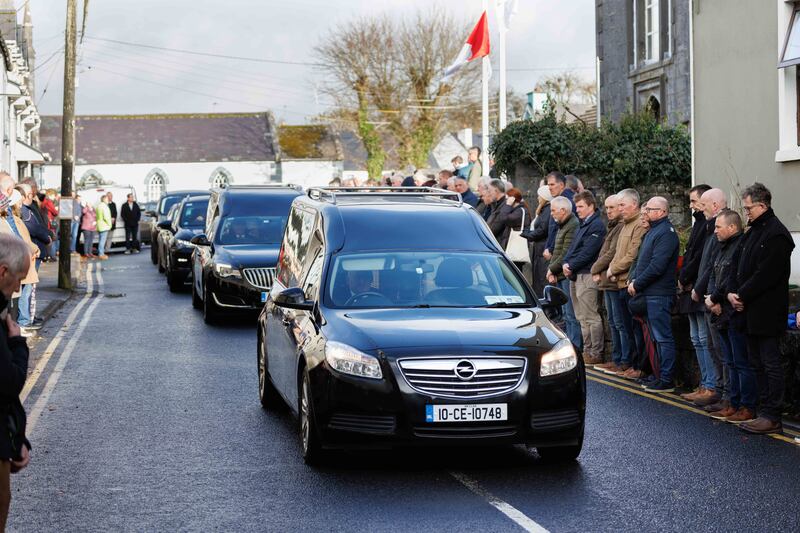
(568, 87)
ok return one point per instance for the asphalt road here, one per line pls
(152, 423)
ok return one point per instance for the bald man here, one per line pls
(654, 278)
(713, 393)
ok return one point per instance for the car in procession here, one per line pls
(396, 319)
(189, 220)
(233, 261)
(162, 208)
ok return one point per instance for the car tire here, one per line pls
(267, 393)
(174, 281)
(153, 252)
(310, 443)
(161, 267)
(197, 303)
(210, 312)
(561, 454)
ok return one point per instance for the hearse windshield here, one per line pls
(424, 279)
(255, 229)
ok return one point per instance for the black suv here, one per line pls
(165, 203)
(233, 263)
(189, 220)
(397, 319)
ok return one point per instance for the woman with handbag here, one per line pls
(507, 222)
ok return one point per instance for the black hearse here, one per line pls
(396, 319)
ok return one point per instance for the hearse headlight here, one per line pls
(180, 243)
(348, 360)
(560, 359)
(226, 271)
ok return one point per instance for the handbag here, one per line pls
(517, 246)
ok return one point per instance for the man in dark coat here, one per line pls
(14, 447)
(131, 214)
(761, 290)
(654, 278)
(113, 208)
(557, 183)
(577, 266)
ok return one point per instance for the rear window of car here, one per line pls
(257, 229)
(193, 214)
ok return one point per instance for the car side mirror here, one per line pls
(151, 214)
(553, 297)
(293, 298)
(200, 240)
(164, 224)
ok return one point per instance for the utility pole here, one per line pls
(67, 147)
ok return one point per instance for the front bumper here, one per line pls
(356, 412)
(236, 293)
(181, 260)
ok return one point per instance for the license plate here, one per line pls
(264, 297)
(478, 412)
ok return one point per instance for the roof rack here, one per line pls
(329, 194)
(267, 186)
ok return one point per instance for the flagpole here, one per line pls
(501, 19)
(485, 108)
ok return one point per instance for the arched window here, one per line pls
(653, 107)
(220, 178)
(90, 180)
(155, 184)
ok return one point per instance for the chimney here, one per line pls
(465, 137)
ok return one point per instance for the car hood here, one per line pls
(187, 233)
(247, 255)
(388, 329)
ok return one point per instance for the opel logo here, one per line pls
(465, 370)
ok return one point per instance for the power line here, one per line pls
(207, 54)
(49, 79)
(43, 63)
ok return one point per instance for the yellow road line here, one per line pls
(660, 398)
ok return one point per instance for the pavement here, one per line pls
(143, 418)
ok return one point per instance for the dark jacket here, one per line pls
(564, 236)
(725, 258)
(551, 237)
(131, 215)
(470, 198)
(762, 276)
(113, 208)
(541, 226)
(40, 235)
(606, 254)
(503, 219)
(694, 249)
(654, 273)
(13, 371)
(586, 245)
(706, 264)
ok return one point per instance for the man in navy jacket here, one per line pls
(577, 267)
(654, 278)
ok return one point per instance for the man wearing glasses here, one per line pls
(654, 277)
(761, 290)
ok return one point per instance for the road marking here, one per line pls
(52, 380)
(30, 382)
(660, 398)
(519, 518)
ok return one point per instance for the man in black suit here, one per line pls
(131, 214)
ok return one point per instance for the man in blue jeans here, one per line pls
(567, 224)
(654, 278)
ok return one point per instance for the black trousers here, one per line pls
(765, 358)
(132, 238)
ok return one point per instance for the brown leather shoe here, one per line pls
(592, 360)
(602, 366)
(632, 373)
(723, 414)
(714, 407)
(690, 396)
(707, 397)
(743, 414)
(761, 426)
(613, 369)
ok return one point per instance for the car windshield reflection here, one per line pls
(252, 230)
(424, 279)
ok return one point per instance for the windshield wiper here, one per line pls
(504, 304)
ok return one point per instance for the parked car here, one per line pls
(153, 216)
(188, 220)
(163, 236)
(233, 263)
(397, 319)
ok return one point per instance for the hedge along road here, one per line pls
(154, 424)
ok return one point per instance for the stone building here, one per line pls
(643, 48)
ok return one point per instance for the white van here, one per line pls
(116, 241)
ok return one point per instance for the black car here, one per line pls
(397, 319)
(233, 263)
(189, 220)
(167, 200)
(163, 236)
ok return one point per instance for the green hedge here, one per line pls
(638, 150)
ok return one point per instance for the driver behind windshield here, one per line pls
(359, 282)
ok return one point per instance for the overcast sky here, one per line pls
(122, 79)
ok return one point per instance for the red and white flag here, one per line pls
(477, 45)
